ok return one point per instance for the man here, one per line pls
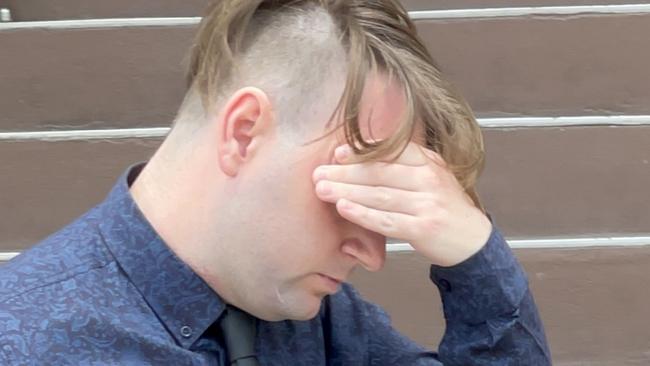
(311, 131)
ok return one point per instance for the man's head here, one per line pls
(274, 87)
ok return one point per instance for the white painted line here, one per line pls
(527, 11)
(549, 243)
(5, 256)
(556, 243)
(559, 243)
(125, 133)
(102, 23)
(157, 132)
(416, 15)
(624, 120)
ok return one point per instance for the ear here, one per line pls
(245, 121)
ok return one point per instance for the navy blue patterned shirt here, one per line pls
(106, 289)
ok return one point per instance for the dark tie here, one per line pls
(238, 329)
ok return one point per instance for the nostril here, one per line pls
(370, 254)
(353, 244)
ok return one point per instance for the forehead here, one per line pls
(383, 107)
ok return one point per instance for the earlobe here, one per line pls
(228, 161)
(244, 121)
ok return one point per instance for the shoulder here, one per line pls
(61, 291)
(60, 277)
(73, 250)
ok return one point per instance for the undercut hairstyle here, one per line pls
(295, 50)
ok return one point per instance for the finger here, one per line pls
(414, 155)
(405, 177)
(379, 198)
(390, 224)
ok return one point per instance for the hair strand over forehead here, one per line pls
(377, 35)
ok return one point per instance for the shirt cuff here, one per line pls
(490, 284)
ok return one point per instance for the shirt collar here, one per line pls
(185, 304)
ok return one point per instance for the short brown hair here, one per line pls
(376, 35)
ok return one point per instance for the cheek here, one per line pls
(328, 221)
(311, 216)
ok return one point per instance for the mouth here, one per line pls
(331, 283)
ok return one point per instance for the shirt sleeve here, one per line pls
(490, 313)
(491, 318)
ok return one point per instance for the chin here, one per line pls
(291, 303)
(306, 310)
(307, 315)
(293, 314)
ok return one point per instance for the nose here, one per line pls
(368, 248)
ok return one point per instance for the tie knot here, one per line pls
(239, 329)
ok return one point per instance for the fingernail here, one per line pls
(342, 152)
(346, 205)
(320, 173)
(324, 188)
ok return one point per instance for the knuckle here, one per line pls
(433, 200)
(426, 202)
(428, 226)
(339, 174)
(387, 223)
(426, 177)
(383, 196)
(383, 170)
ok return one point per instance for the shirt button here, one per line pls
(445, 285)
(186, 331)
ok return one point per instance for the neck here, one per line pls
(175, 192)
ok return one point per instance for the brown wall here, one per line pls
(91, 78)
(30, 10)
(133, 77)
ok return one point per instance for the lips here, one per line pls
(333, 278)
(332, 284)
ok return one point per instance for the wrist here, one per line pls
(489, 284)
(469, 240)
